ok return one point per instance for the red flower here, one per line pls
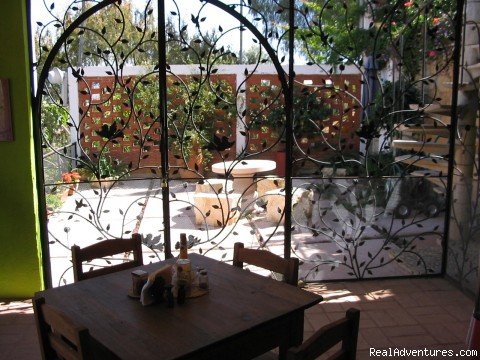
(69, 177)
(432, 53)
(436, 21)
(408, 4)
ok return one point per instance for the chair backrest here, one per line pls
(103, 249)
(344, 330)
(266, 260)
(60, 337)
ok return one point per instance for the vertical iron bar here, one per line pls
(289, 133)
(458, 21)
(464, 31)
(424, 55)
(81, 42)
(241, 34)
(397, 107)
(162, 94)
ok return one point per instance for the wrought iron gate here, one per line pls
(166, 128)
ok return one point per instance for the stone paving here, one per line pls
(136, 206)
(402, 313)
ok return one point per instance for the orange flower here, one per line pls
(436, 21)
(69, 177)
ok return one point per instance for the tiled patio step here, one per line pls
(465, 86)
(428, 147)
(432, 176)
(441, 120)
(473, 70)
(439, 130)
(432, 163)
(437, 109)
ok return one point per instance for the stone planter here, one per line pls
(72, 189)
(106, 183)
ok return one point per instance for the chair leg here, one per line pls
(295, 337)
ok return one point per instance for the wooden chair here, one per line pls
(106, 248)
(344, 330)
(60, 337)
(264, 259)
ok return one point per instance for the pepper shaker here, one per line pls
(182, 294)
(169, 296)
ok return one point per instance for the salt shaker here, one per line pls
(203, 279)
(139, 278)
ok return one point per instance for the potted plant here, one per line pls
(190, 156)
(103, 173)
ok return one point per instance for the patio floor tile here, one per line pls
(442, 333)
(375, 337)
(410, 341)
(404, 330)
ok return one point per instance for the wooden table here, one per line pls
(243, 171)
(242, 316)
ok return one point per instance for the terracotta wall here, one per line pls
(105, 102)
(341, 96)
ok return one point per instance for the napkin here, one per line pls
(152, 290)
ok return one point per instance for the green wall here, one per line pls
(20, 262)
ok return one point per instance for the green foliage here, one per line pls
(55, 130)
(388, 108)
(309, 109)
(333, 32)
(105, 167)
(110, 168)
(126, 35)
(375, 165)
(53, 201)
(114, 31)
(338, 38)
(193, 108)
(405, 27)
(183, 48)
(318, 34)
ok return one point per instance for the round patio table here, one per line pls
(243, 171)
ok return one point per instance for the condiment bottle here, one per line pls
(183, 263)
(183, 247)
